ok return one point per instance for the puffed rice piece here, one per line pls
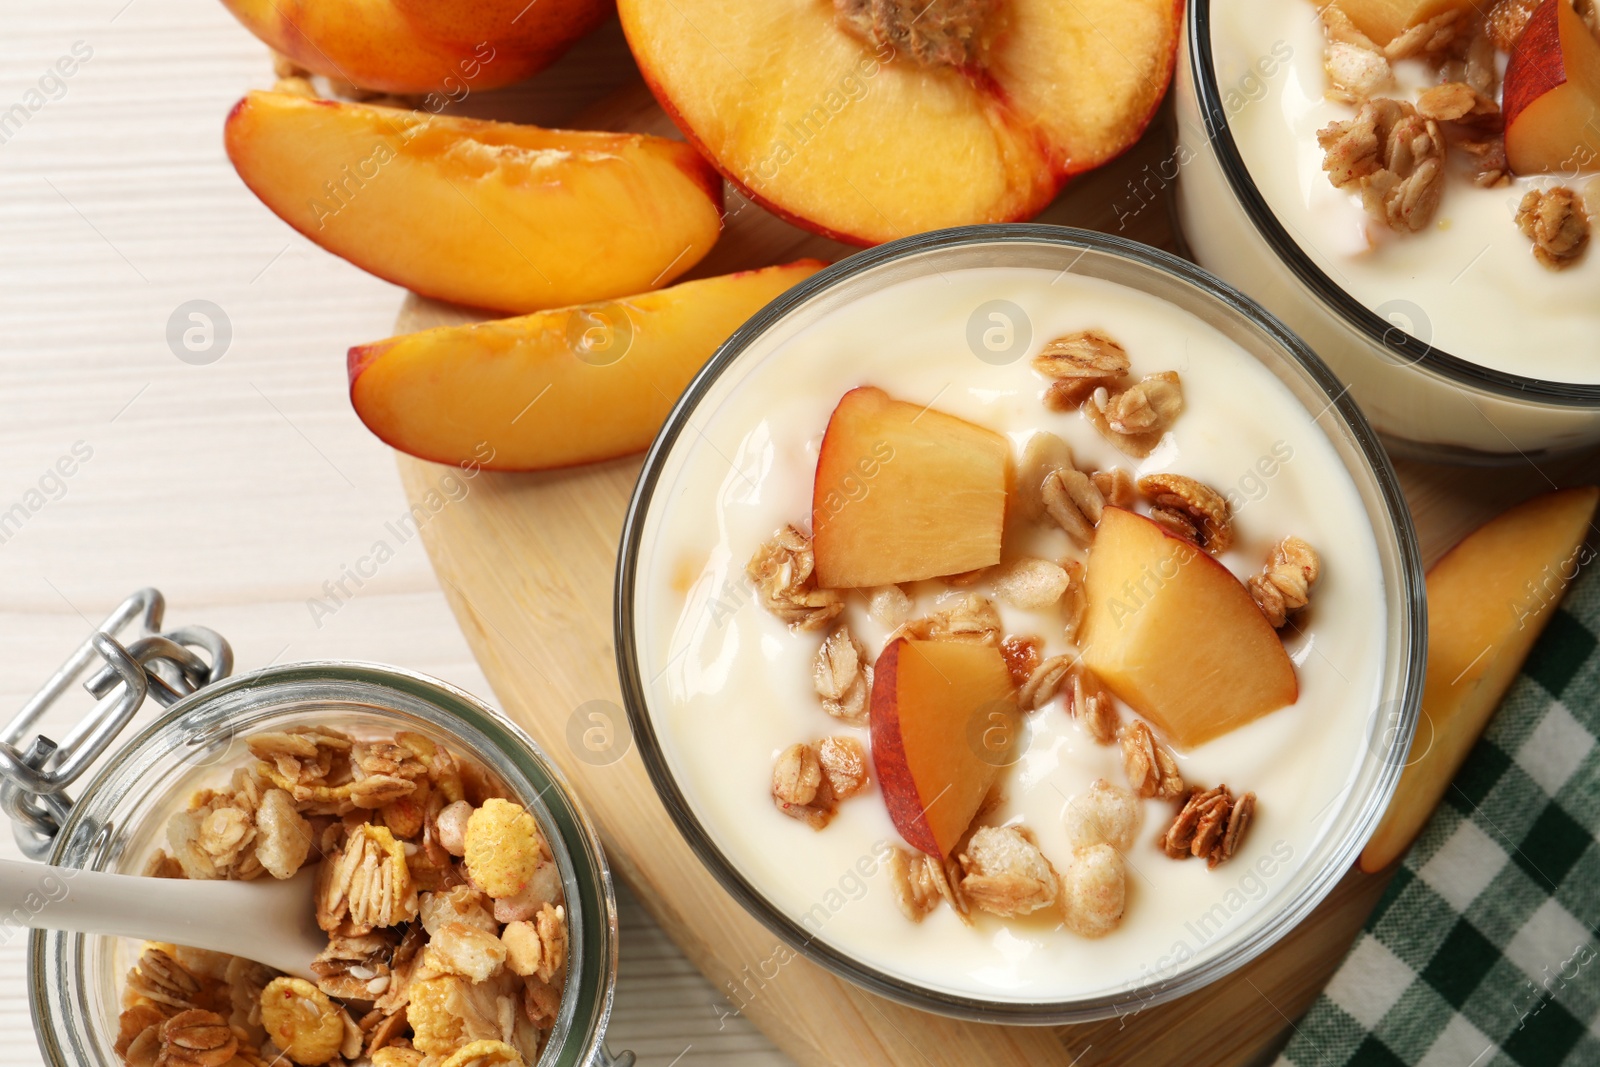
(284, 839)
(451, 824)
(538, 948)
(1094, 891)
(1031, 584)
(1105, 815)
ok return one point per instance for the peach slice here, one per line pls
(1172, 632)
(492, 214)
(1384, 20)
(944, 721)
(1551, 98)
(904, 492)
(406, 46)
(868, 120)
(1489, 599)
(556, 387)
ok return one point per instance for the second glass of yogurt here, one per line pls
(1455, 296)
(1048, 761)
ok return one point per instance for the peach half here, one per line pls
(558, 387)
(868, 120)
(490, 214)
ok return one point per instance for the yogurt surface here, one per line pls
(1468, 283)
(729, 687)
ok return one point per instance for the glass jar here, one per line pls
(75, 981)
(1428, 403)
(1386, 725)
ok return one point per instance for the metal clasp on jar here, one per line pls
(34, 774)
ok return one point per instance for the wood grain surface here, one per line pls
(527, 563)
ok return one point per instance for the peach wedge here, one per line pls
(554, 388)
(396, 46)
(1489, 599)
(491, 214)
(867, 120)
(1171, 631)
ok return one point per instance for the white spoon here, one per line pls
(266, 920)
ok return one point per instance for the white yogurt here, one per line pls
(1481, 294)
(729, 686)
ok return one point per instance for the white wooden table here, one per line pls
(239, 486)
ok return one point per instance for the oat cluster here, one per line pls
(441, 899)
(1396, 153)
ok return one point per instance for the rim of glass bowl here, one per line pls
(1405, 348)
(1402, 681)
(59, 963)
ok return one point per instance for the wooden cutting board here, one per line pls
(527, 561)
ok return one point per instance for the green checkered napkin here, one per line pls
(1483, 952)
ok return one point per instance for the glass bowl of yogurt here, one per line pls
(1461, 338)
(726, 687)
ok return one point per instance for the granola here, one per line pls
(843, 677)
(409, 962)
(970, 618)
(921, 881)
(1117, 487)
(1005, 874)
(1557, 223)
(1022, 658)
(1093, 707)
(1042, 456)
(1135, 418)
(1075, 503)
(800, 789)
(1357, 68)
(1393, 156)
(1284, 586)
(1190, 509)
(1507, 19)
(1211, 824)
(1045, 682)
(1152, 772)
(1077, 364)
(782, 570)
